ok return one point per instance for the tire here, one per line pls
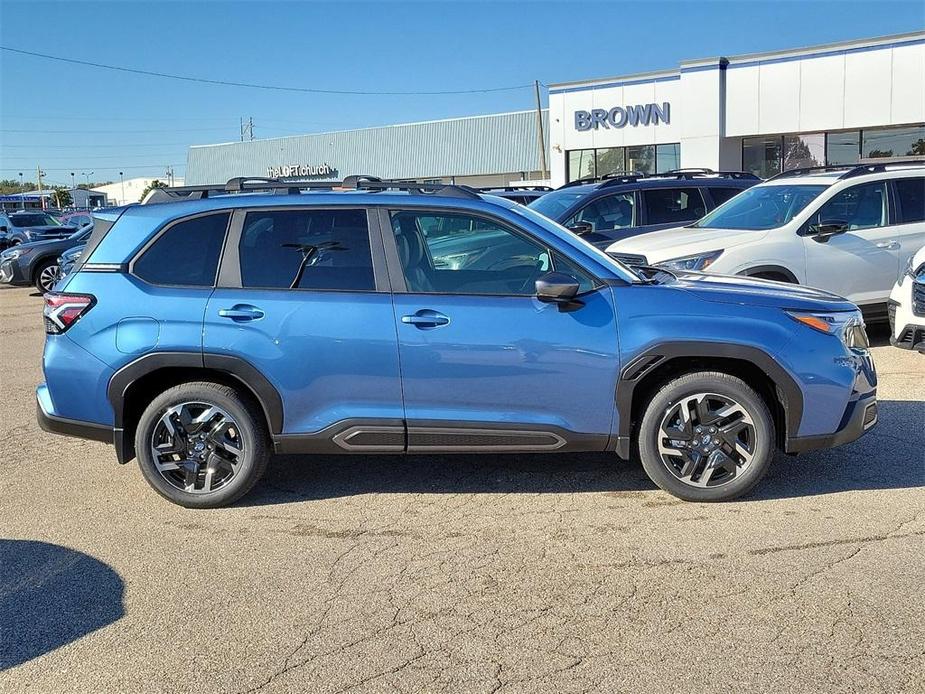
(210, 423)
(46, 272)
(739, 445)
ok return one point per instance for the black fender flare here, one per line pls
(635, 371)
(777, 269)
(244, 372)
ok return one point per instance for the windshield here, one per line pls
(761, 207)
(554, 204)
(39, 219)
(80, 235)
(576, 241)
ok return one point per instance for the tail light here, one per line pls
(63, 310)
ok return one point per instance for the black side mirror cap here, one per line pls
(581, 228)
(823, 232)
(556, 288)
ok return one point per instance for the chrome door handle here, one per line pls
(241, 313)
(889, 245)
(426, 319)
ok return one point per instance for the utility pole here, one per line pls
(39, 174)
(541, 136)
(250, 127)
(241, 129)
(247, 129)
(22, 193)
(122, 182)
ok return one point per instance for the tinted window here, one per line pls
(554, 204)
(804, 150)
(843, 148)
(641, 158)
(761, 207)
(610, 161)
(762, 155)
(459, 254)
(861, 207)
(911, 192)
(608, 212)
(673, 205)
(34, 220)
(186, 254)
(721, 195)
(581, 164)
(893, 142)
(667, 157)
(562, 264)
(306, 249)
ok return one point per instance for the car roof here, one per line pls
(662, 182)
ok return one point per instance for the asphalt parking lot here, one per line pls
(557, 573)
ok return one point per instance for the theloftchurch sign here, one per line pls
(301, 170)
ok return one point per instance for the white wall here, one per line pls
(132, 190)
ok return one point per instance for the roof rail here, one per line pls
(514, 189)
(279, 186)
(695, 172)
(610, 179)
(880, 167)
(809, 169)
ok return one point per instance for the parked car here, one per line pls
(907, 306)
(28, 226)
(231, 326)
(523, 195)
(78, 218)
(618, 206)
(36, 262)
(846, 229)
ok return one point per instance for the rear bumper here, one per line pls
(54, 424)
(859, 418)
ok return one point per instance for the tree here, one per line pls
(60, 196)
(9, 186)
(151, 186)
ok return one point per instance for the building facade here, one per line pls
(129, 190)
(832, 104)
(479, 151)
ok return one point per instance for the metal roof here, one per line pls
(476, 145)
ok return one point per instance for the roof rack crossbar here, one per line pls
(880, 166)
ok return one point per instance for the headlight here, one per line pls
(698, 262)
(847, 325)
(15, 253)
(911, 272)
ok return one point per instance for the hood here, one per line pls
(750, 291)
(49, 230)
(677, 242)
(51, 244)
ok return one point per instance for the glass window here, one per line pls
(562, 264)
(609, 161)
(186, 254)
(673, 205)
(761, 155)
(641, 159)
(804, 150)
(306, 249)
(608, 212)
(459, 254)
(761, 207)
(842, 148)
(893, 142)
(555, 204)
(721, 195)
(911, 193)
(580, 164)
(39, 219)
(860, 207)
(667, 157)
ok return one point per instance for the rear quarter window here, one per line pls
(673, 205)
(911, 193)
(186, 254)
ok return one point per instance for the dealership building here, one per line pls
(763, 112)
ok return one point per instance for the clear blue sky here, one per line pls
(110, 121)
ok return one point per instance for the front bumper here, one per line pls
(859, 418)
(11, 273)
(54, 424)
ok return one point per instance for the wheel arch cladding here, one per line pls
(661, 363)
(133, 387)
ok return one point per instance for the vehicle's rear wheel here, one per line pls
(706, 436)
(202, 445)
(46, 274)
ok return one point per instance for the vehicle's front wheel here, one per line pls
(706, 436)
(46, 274)
(202, 445)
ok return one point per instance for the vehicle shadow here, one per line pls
(50, 596)
(885, 458)
(879, 335)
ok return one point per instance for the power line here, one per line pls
(116, 132)
(94, 145)
(249, 85)
(71, 168)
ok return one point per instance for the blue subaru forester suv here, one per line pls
(206, 332)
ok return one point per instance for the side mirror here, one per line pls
(3, 228)
(581, 228)
(556, 288)
(823, 232)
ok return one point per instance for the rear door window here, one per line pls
(306, 249)
(911, 194)
(607, 212)
(721, 195)
(186, 254)
(673, 205)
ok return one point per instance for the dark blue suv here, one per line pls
(201, 334)
(620, 205)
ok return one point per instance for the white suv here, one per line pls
(849, 230)
(907, 306)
